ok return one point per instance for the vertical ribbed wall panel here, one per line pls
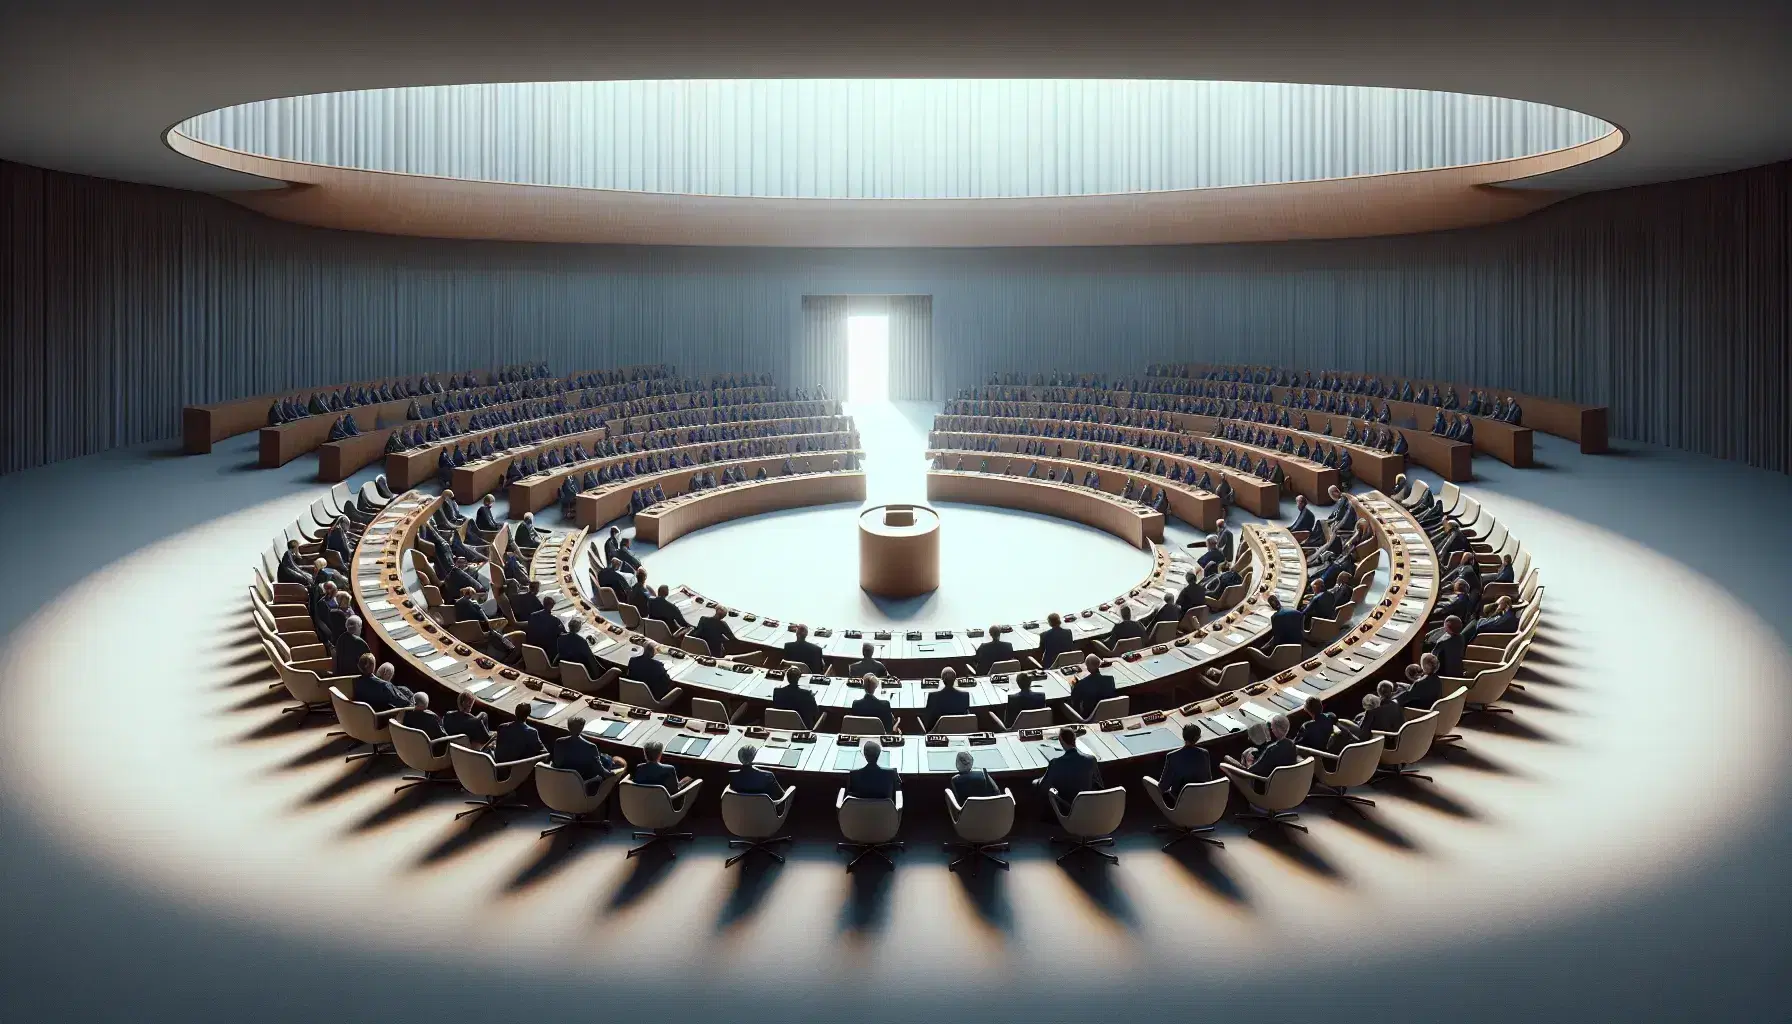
(121, 303)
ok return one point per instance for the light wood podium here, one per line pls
(899, 550)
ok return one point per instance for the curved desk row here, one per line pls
(479, 478)
(204, 425)
(596, 507)
(1128, 520)
(1251, 493)
(541, 489)
(917, 651)
(671, 519)
(1188, 503)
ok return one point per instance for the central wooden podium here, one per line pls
(899, 550)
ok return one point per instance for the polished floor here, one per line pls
(174, 849)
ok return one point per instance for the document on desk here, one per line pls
(416, 644)
(441, 663)
(1258, 710)
(1236, 637)
(1207, 649)
(1227, 723)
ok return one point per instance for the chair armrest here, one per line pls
(446, 741)
(840, 800)
(688, 789)
(388, 715)
(784, 800)
(1316, 754)
(520, 762)
(1151, 782)
(899, 800)
(952, 803)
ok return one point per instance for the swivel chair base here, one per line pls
(369, 752)
(415, 779)
(567, 821)
(1397, 771)
(1188, 833)
(870, 849)
(305, 710)
(1086, 843)
(1269, 818)
(762, 845)
(490, 803)
(1322, 791)
(1486, 709)
(657, 837)
(976, 854)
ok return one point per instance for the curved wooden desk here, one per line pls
(1188, 503)
(1130, 521)
(899, 550)
(596, 507)
(673, 518)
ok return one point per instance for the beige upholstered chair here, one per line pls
(870, 827)
(482, 776)
(364, 725)
(958, 725)
(631, 691)
(1407, 747)
(570, 800)
(1198, 806)
(711, 710)
(426, 758)
(1449, 713)
(1273, 800)
(305, 686)
(535, 662)
(982, 824)
(783, 718)
(755, 818)
(861, 725)
(659, 633)
(1355, 765)
(1232, 677)
(1112, 707)
(1323, 631)
(655, 812)
(1279, 657)
(695, 645)
(1007, 668)
(1091, 820)
(1068, 658)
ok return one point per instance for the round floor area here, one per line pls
(996, 566)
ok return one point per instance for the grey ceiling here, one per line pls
(90, 87)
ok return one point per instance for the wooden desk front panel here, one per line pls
(1188, 503)
(672, 519)
(595, 508)
(1127, 520)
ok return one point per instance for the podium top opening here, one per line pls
(899, 516)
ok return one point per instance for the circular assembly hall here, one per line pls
(992, 513)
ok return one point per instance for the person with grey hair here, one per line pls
(750, 778)
(1091, 688)
(872, 781)
(1273, 750)
(1424, 687)
(419, 716)
(349, 647)
(971, 781)
(654, 772)
(1380, 713)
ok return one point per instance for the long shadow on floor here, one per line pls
(753, 880)
(1298, 849)
(1095, 877)
(651, 867)
(1206, 866)
(867, 907)
(986, 887)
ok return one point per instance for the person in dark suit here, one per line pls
(1054, 641)
(349, 648)
(486, 519)
(468, 609)
(713, 629)
(1091, 688)
(419, 717)
(1185, 765)
(1380, 713)
(947, 700)
(612, 544)
(291, 568)
(573, 646)
(515, 569)
(1286, 625)
(793, 696)
(654, 772)
(375, 690)
(527, 603)
(661, 607)
(1304, 521)
(1423, 687)
(1507, 573)
(1193, 595)
(872, 781)
(518, 739)
(803, 652)
(526, 535)
(543, 629)
(646, 668)
(1127, 628)
(573, 752)
(993, 650)
(337, 540)
(1450, 646)
(1503, 620)
(1316, 732)
(1210, 554)
(463, 576)
(867, 665)
(971, 781)
(1226, 577)
(873, 706)
(609, 576)
(626, 555)
(1069, 773)
(468, 722)
(1460, 604)
(1274, 750)
(750, 778)
(1323, 604)
(1023, 699)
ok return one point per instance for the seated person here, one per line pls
(1316, 732)
(610, 576)
(947, 700)
(1218, 583)
(462, 577)
(1503, 620)
(1423, 686)
(468, 609)
(1025, 698)
(517, 739)
(873, 706)
(750, 778)
(527, 603)
(1271, 747)
(514, 568)
(1380, 713)
(1069, 773)
(1091, 688)
(1127, 628)
(526, 535)
(867, 665)
(660, 607)
(573, 646)
(573, 752)
(1450, 646)
(1286, 625)
(377, 691)
(803, 652)
(346, 655)
(646, 668)
(469, 722)
(713, 630)
(1054, 641)
(793, 696)
(291, 568)
(654, 772)
(970, 780)
(543, 629)
(419, 717)
(627, 556)
(1188, 764)
(1321, 604)
(993, 650)
(486, 519)
(872, 781)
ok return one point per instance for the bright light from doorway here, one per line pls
(868, 358)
